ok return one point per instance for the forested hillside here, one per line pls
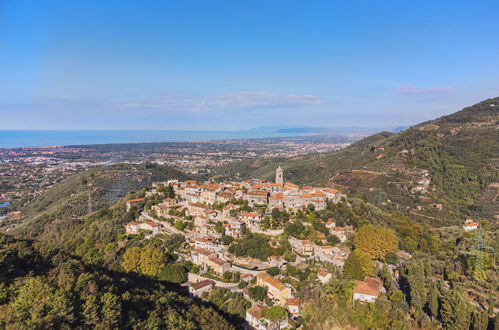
(438, 171)
(43, 288)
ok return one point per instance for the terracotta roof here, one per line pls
(293, 302)
(332, 191)
(292, 185)
(153, 224)
(217, 261)
(266, 278)
(229, 206)
(133, 223)
(257, 193)
(307, 196)
(205, 239)
(277, 196)
(203, 251)
(202, 284)
(198, 205)
(210, 186)
(256, 311)
(135, 200)
(249, 214)
(323, 272)
(370, 286)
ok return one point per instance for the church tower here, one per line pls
(279, 176)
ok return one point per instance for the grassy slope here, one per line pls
(460, 151)
(69, 200)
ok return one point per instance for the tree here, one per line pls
(258, 292)
(455, 311)
(148, 261)
(275, 314)
(39, 306)
(131, 259)
(91, 310)
(227, 240)
(479, 319)
(416, 281)
(333, 240)
(174, 273)
(111, 310)
(433, 300)
(151, 261)
(376, 241)
(273, 271)
(358, 265)
(295, 229)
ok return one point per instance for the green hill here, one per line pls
(43, 288)
(457, 155)
(88, 192)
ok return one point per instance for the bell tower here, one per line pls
(279, 176)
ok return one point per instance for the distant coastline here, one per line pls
(49, 138)
(44, 138)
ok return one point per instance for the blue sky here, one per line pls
(242, 64)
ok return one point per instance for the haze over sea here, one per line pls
(41, 138)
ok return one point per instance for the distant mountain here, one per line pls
(304, 130)
(439, 171)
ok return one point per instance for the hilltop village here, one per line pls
(260, 245)
(214, 218)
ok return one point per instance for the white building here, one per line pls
(367, 290)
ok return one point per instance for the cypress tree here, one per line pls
(455, 311)
(433, 300)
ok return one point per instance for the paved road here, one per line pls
(194, 278)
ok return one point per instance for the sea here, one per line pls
(44, 138)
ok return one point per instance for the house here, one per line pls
(275, 289)
(333, 195)
(209, 192)
(256, 197)
(250, 217)
(234, 228)
(367, 290)
(195, 209)
(257, 321)
(324, 276)
(135, 227)
(217, 265)
(291, 186)
(132, 228)
(254, 316)
(247, 277)
(206, 242)
(276, 200)
(340, 232)
(199, 256)
(470, 225)
(132, 202)
(197, 289)
(225, 196)
(293, 306)
(303, 247)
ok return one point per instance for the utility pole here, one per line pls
(478, 252)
